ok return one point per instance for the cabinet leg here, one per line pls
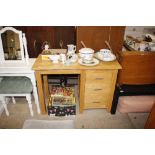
(115, 101)
(40, 92)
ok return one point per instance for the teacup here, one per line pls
(63, 58)
(105, 52)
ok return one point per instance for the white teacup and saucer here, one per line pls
(105, 55)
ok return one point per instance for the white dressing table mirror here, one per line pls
(13, 46)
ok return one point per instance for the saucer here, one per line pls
(100, 56)
(88, 61)
(93, 63)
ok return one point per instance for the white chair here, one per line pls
(15, 86)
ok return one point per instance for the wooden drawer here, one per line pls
(96, 105)
(96, 97)
(96, 101)
(99, 77)
(97, 88)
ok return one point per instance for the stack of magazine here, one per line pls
(62, 101)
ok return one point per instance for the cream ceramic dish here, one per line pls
(54, 58)
(107, 57)
(93, 63)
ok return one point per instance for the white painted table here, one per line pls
(21, 69)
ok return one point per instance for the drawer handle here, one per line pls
(97, 89)
(99, 78)
(96, 102)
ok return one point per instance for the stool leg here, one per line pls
(28, 98)
(13, 100)
(4, 105)
(35, 94)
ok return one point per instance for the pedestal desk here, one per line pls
(96, 84)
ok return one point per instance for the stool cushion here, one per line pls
(15, 85)
(128, 104)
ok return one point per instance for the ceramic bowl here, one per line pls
(86, 54)
(54, 58)
(105, 52)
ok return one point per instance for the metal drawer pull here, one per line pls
(99, 78)
(97, 89)
(96, 102)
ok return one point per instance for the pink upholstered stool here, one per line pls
(128, 104)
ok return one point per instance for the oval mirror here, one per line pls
(12, 46)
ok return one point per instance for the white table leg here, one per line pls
(13, 100)
(2, 98)
(35, 93)
(28, 98)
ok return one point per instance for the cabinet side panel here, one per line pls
(116, 38)
(137, 68)
(93, 36)
(82, 90)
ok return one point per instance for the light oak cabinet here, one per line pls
(99, 88)
(96, 83)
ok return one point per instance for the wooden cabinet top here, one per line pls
(137, 67)
(131, 53)
(48, 65)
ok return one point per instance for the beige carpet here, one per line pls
(89, 119)
(48, 124)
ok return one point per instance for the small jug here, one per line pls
(71, 49)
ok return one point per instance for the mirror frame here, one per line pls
(23, 46)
